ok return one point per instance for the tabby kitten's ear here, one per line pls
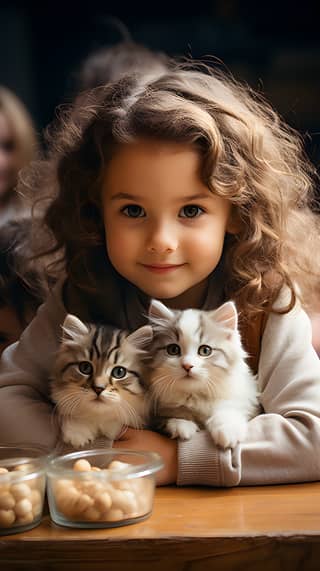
(73, 328)
(226, 315)
(141, 336)
(158, 310)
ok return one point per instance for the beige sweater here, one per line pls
(282, 444)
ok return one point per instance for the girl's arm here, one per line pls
(25, 411)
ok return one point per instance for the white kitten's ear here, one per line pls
(73, 327)
(226, 315)
(159, 311)
(141, 336)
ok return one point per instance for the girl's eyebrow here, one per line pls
(127, 196)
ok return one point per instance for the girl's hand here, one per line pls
(153, 442)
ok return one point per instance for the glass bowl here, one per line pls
(22, 488)
(102, 487)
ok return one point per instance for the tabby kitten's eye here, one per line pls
(204, 350)
(173, 349)
(119, 372)
(85, 368)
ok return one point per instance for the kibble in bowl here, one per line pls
(102, 488)
(22, 488)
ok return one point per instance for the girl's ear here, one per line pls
(158, 310)
(141, 336)
(73, 327)
(226, 315)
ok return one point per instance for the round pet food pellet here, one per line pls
(113, 515)
(91, 514)
(22, 507)
(3, 471)
(25, 519)
(103, 502)
(66, 496)
(7, 518)
(82, 466)
(7, 501)
(117, 465)
(83, 502)
(91, 488)
(20, 491)
(62, 485)
(35, 498)
(131, 501)
(122, 485)
(23, 468)
(120, 500)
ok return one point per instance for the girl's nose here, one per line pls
(162, 240)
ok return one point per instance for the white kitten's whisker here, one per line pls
(131, 417)
(161, 386)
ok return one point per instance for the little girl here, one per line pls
(187, 188)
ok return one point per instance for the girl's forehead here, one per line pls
(149, 166)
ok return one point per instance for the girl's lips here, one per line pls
(162, 269)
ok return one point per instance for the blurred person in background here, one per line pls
(21, 290)
(18, 145)
(110, 63)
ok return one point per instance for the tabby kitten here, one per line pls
(97, 381)
(199, 377)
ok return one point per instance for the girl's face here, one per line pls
(8, 156)
(164, 228)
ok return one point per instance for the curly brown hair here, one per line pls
(249, 156)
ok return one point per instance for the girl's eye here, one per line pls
(133, 211)
(204, 350)
(85, 368)
(119, 372)
(173, 349)
(191, 211)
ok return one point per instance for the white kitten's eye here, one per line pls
(173, 349)
(85, 368)
(204, 350)
(119, 372)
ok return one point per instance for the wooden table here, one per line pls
(264, 528)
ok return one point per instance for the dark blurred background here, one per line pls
(274, 46)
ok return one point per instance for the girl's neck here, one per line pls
(193, 298)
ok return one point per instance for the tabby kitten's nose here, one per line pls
(98, 389)
(187, 367)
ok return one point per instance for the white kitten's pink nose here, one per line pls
(187, 367)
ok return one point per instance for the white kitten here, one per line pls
(199, 377)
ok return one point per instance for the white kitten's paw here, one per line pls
(227, 432)
(77, 437)
(180, 428)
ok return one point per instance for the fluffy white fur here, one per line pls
(219, 392)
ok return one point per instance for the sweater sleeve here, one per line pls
(25, 410)
(283, 443)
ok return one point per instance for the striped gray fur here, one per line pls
(97, 382)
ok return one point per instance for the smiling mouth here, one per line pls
(162, 267)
